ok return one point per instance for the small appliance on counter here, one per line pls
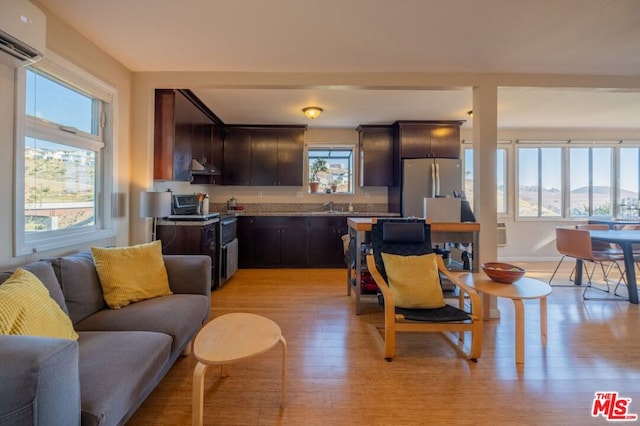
(233, 206)
(187, 207)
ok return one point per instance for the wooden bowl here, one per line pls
(503, 272)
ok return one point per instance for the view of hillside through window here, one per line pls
(59, 173)
(590, 179)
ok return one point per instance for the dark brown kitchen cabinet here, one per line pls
(207, 149)
(189, 239)
(376, 154)
(291, 241)
(325, 241)
(172, 133)
(290, 156)
(184, 130)
(237, 157)
(424, 139)
(280, 241)
(264, 156)
(245, 232)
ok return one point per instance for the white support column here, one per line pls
(485, 143)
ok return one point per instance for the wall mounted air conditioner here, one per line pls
(23, 32)
(502, 234)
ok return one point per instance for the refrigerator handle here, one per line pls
(433, 180)
(437, 193)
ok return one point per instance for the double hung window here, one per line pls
(63, 171)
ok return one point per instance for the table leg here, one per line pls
(350, 270)
(543, 320)
(486, 306)
(630, 271)
(578, 277)
(198, 394)
(283, 385)
(224, 370)
(519, 311)
(357, 288)
(475, 260)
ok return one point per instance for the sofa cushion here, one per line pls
(131, 274)
(117, 370)
(178, 315)
(79, 281)
(46, 275)
(26, 308)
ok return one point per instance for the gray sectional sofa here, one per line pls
(121, 355)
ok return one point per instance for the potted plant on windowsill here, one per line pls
(319, 165)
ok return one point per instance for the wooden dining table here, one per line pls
(626, 240)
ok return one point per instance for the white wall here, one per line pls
(71, 45)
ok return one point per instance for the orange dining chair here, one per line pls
(576, 244)
(602, 248)
(564, 247)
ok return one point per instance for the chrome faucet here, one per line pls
(329, 205)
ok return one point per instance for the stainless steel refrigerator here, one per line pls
(428, 177)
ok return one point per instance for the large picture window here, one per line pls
(590, 182)
(539, 182)
(62, 176)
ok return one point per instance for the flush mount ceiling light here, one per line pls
(312, 112)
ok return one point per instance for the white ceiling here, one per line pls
(583, 37)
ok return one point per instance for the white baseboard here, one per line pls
(530, 259)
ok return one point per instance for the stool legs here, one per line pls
(198, 384)
(198, 394)
(283, 385)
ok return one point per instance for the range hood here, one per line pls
(198, 168)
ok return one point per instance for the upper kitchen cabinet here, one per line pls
(290, 156)
(237, 156)
(376, 154)
(428, 139)
(264, 156)
(185, 130)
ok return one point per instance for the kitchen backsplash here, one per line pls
(300, 207)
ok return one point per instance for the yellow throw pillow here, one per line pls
(414, 281)
(26, 308)
(131, 274)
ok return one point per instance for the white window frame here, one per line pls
(106, 172)
(619, 210)
(502, 145)
(565, 146)
(329, 147)
(563, 180)
(613, 196)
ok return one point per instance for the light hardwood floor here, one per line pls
(335, 375)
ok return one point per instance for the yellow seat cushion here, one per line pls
(26, 308)
(414, 281)
(131, 274)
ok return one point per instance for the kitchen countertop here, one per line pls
(315, 213)
(188, 222)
